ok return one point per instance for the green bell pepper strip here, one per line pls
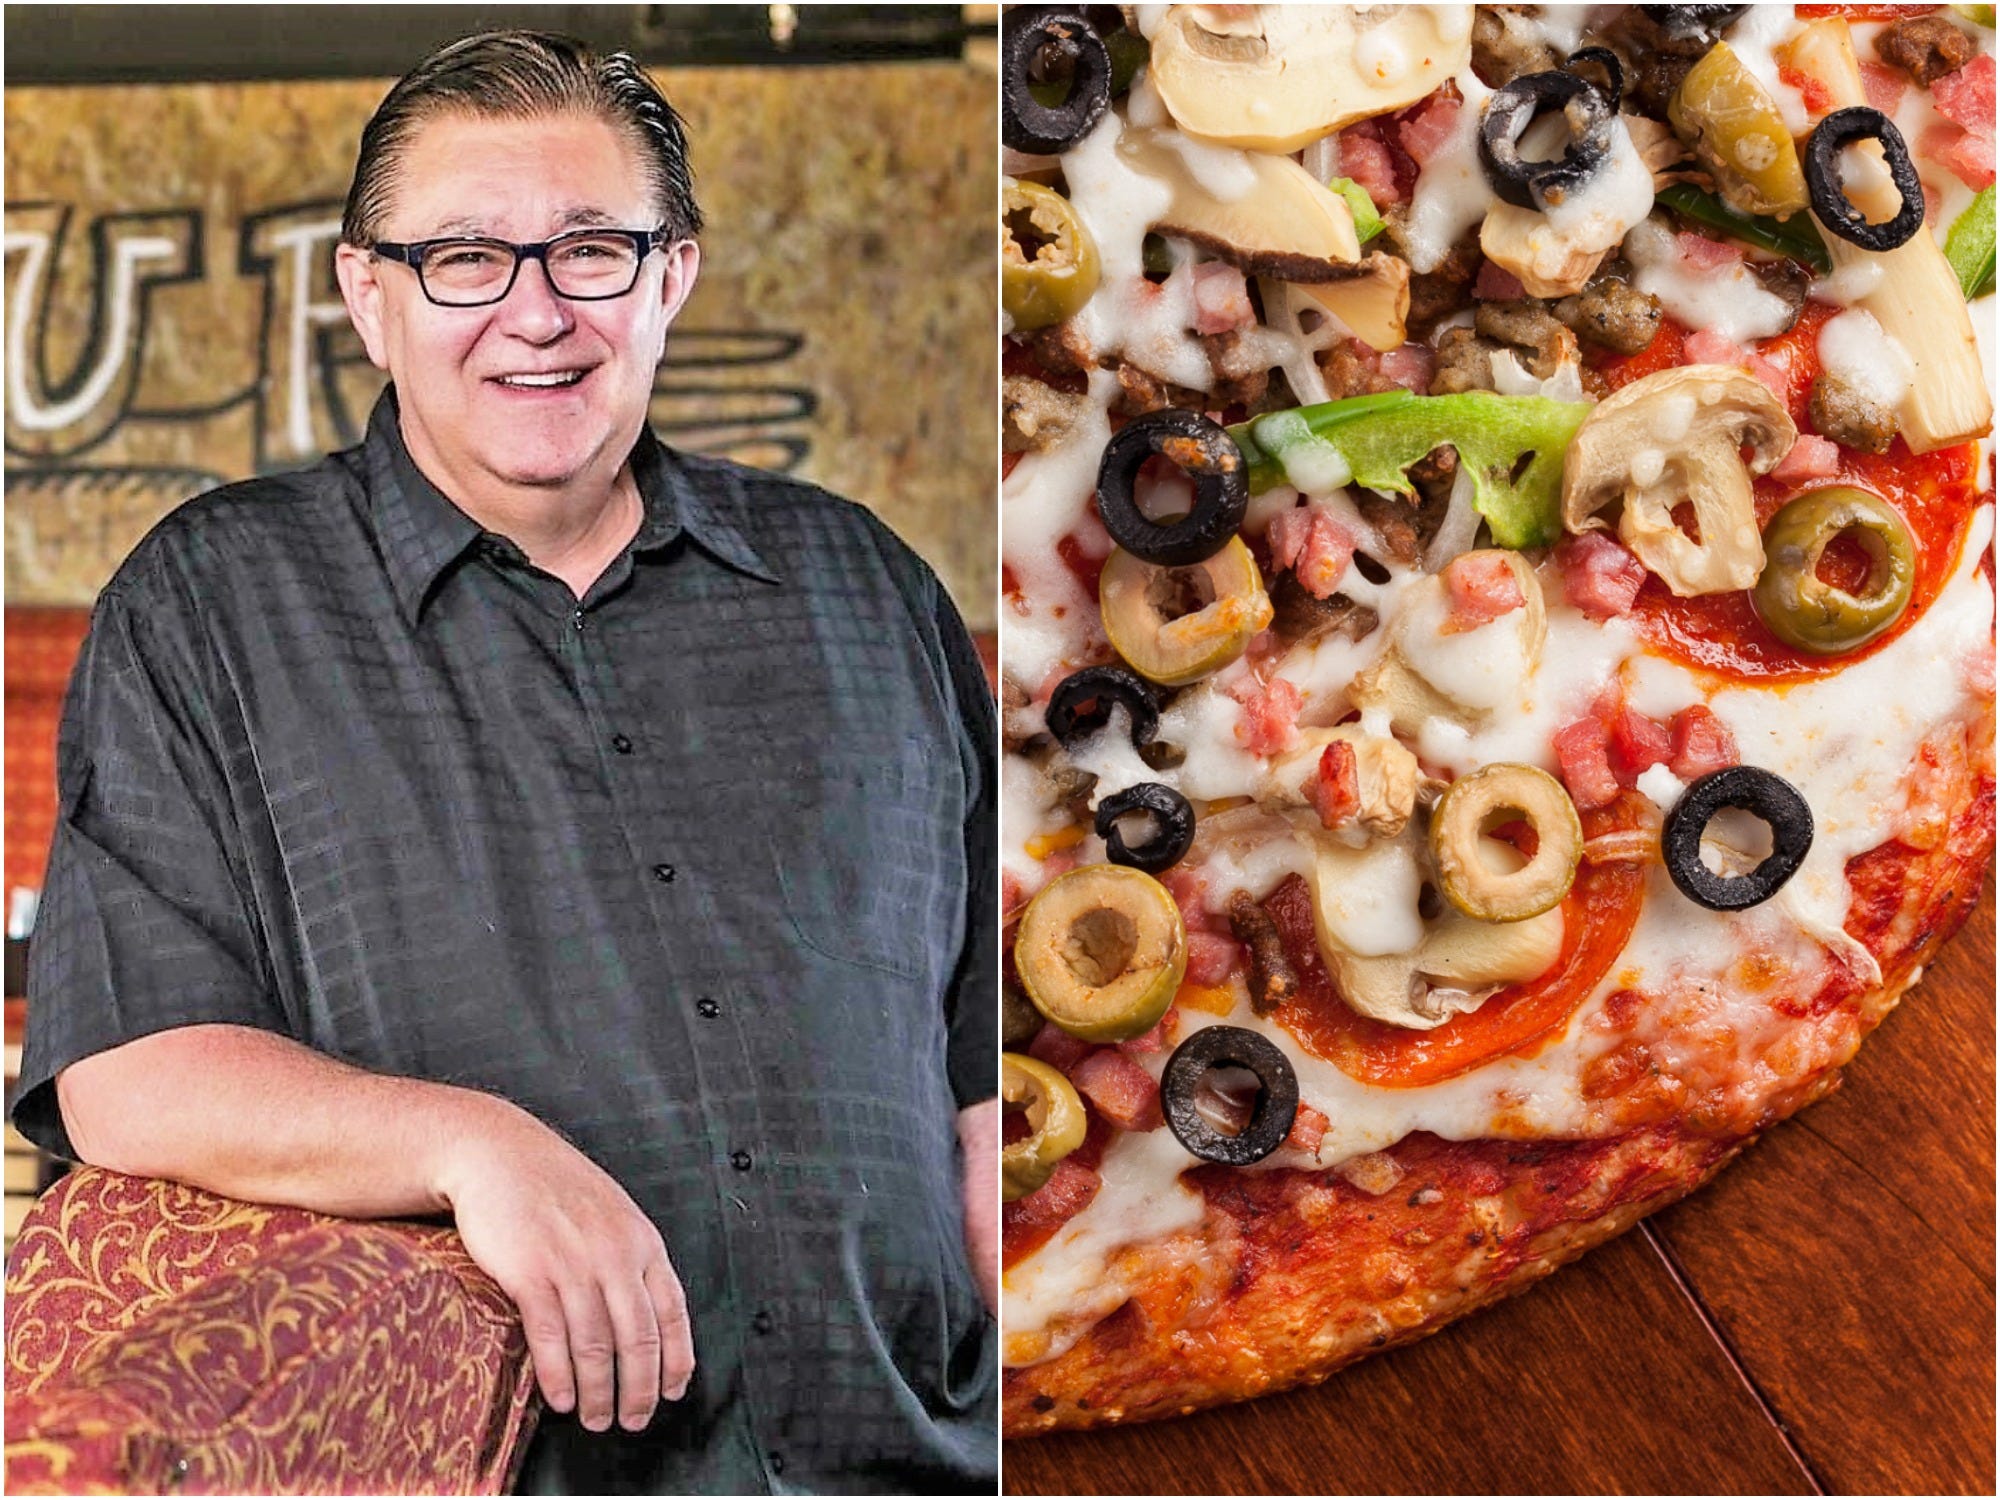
(1794, 237)
(1378, 437)
(1367, 222)
(1969, 246)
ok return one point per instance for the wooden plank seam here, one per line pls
(1729, 1353)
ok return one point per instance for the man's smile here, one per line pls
(540, 380)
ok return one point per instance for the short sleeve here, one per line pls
(973, 1001)
(143, 923)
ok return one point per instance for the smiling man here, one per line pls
(514, 818)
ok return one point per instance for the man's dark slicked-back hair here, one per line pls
(519, 75)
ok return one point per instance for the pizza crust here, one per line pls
(1322, 1273)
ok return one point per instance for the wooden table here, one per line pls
(1818, 1320)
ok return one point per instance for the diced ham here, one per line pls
(1189, 888)
(1124, 1093)
(1707, 347)
(1966, 97)
(1211, 957)
(1334, 788)
(1314, 545)
(1221, 298)
(1066, 1194)
(1430, 126)
(1701, 743)
(1481, 587)
(1600, 575)
(1270, 718)
(1410, 366)
(1967, 154)
(1774, 377)
(1323, 559)
(1583, 752)
(1495, 283)
(1637, 744)
(1158, 1039)
(1309, 1128)
(1365, 159)
(1057, 1048)
(1705, 254)
(1883, 85)
(1810, 458)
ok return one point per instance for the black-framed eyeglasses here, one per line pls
(584, 265)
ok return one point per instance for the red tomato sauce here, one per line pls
(1936, 494)
(1598, 917)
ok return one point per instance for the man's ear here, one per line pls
(358, 273)
(683, 266)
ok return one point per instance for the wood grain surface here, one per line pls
(1818, 1320)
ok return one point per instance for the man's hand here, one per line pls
(979, 1136)
(598, 1297)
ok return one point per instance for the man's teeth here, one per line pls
(565, 377)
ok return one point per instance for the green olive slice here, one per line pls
(1055, 1119)
(1177, 625)
(1101, 951)
(1806, 611)
(1479, 884)
(1048, 261)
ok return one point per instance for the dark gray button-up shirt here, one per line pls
(699, 870)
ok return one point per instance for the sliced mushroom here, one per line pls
(1374, 303)
(1429, 672)
(1917, 299)
(1554, 252)
(1266, 214)
(1275, 77)
(1672, 437)
(1451, 965)
(1385, 775)
(1546, 263)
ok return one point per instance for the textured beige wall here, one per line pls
(172, 320)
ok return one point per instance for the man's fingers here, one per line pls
(593, 1352)
(548, 1345)
(669, 1307)
(638, 1334)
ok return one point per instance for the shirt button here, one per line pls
(762, 1321)
(777, 1462)
(664, 874)
(621, 744)
(740, 1160)
(577, 619)
(708, 1008)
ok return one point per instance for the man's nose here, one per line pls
(531, 309)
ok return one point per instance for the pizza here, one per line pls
(1497, 641)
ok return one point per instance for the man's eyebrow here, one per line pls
(569, 218)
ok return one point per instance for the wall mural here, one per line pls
(173, 323)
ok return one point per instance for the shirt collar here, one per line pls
(422, 533)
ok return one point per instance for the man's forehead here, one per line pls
(512, 177)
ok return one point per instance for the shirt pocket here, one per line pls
(870, 862)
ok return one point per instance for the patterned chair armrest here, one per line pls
(161, 1338)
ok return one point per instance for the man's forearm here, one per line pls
(253, 1115)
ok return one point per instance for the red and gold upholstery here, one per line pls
(161, 1338)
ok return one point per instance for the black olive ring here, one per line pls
(1513, 108)
(1692, 20)
(1199, 449)
(1763, 795)
(1103, 688)
(1830, 204)
(1168, 807)
(1277, 1094)
(1026, 124)
(1614, 72)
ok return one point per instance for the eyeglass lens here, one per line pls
(473, 271)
